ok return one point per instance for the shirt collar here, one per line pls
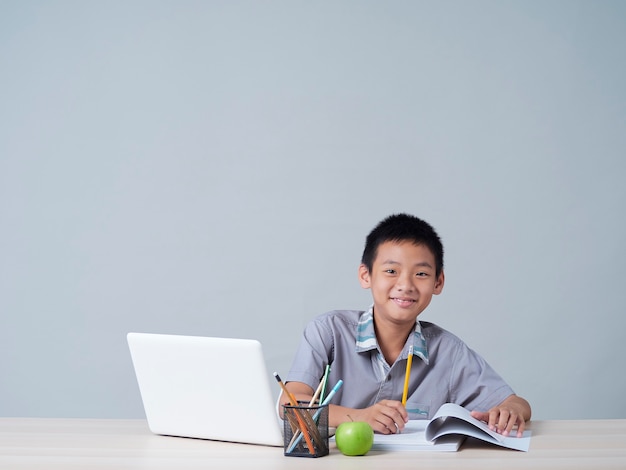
(366, 337)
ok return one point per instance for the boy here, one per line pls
(402, 265)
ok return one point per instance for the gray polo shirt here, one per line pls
(444, 369)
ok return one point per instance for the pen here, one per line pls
(330, 396)
(407, 376)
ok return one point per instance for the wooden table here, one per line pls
(33, 443)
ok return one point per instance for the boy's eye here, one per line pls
(422, 274)
(390, 271)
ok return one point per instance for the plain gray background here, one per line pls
(212, 168)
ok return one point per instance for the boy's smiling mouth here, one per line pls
(403, 301)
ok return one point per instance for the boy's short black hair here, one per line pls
(403, 227)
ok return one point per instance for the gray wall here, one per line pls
(212, 168)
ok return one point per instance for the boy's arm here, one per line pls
(385, 417)
(502, 418)
(300, 390)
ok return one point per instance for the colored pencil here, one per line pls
(316, 394)
(324, 382)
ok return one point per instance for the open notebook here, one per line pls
(446, 431)
(207, 388)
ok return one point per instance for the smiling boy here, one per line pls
(402, 265)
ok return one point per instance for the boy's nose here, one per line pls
(405, 284)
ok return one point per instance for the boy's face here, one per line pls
(402, 281)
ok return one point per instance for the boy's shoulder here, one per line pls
(337, 320)
(342, 323)
(340, 316)
(432, 331)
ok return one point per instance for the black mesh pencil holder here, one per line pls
(306, 430)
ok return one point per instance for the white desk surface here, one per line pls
(34, 443)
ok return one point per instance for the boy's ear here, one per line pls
(439, 284)
(364, 276)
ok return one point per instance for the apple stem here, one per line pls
(350, 418)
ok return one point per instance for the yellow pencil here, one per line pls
(407, 376)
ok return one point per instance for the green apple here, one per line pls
(354, 437)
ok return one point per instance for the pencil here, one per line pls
(407, 376)
(289, 395)
(294, 402)
(316, 394)
(324, 382)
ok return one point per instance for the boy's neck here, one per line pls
(391, 339)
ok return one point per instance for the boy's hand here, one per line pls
(512, 412)
(385, 417)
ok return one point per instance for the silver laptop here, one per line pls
(207, 388)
